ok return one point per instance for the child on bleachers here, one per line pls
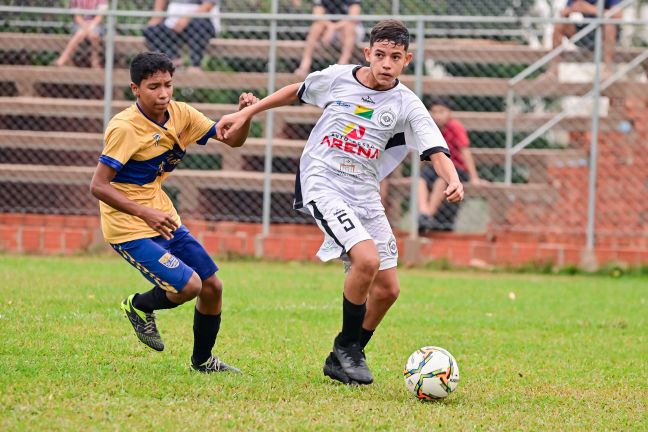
(85, 27)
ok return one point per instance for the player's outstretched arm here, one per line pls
(231, 124)
(237, 139)
(447, 171)
(100, 187)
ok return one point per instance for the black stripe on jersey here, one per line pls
(301, 91)
(298, 203)
(396, 140)
(429, 152)
(325, 225)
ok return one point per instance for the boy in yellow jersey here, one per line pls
(143, 144)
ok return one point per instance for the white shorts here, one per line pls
(344, 227)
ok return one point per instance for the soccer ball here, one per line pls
(431, 373)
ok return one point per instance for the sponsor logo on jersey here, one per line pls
(328, 245)
(169, 261)
(342, 104)
(156, 139)
(349, 146)
(347, 166)
(354, 131)
(367, 99)
(363, 112)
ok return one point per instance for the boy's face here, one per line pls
(386, 61)
(154, 93)
(440, 114)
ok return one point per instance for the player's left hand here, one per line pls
(454, 192)
(247, 99)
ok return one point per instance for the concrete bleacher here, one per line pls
(74, 124)
(445, 50)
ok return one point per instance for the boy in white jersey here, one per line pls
(368, 122)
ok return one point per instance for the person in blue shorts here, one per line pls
(576, 10)
(143, 145)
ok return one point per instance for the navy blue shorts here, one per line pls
(168, 264)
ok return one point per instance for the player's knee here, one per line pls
(368, 265)
(391, 293)
(192, 288)
(212, 286)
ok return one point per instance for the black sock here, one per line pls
(352, 317)
(365, 336)
(154, 299)
(205, 329)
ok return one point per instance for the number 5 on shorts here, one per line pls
(347, 224)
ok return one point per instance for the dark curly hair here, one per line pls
(147, 64)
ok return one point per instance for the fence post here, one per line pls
(269, 132)
(589, 261)
(108, 66)
(395, 7)
(508, 167)
(412, 244)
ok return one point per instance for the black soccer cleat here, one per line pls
(213, 364)
(143, 323)
(352, 362)
(333, 369)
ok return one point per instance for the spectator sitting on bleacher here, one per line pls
(85, 27)
(435, 214)
(345, 32)
(166, 35)
(576, 10)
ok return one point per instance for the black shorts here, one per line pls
(589, 40)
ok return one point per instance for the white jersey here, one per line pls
(362, 135)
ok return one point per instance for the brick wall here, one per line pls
(53, 234)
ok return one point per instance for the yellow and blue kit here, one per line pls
(144, 153)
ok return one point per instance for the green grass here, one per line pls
(569, 353)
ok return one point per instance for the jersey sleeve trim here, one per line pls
(210, 133)
(301, 91)
(112, 163)
(426, 155)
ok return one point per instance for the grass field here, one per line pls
(567, 353)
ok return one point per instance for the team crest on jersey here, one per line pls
(386, 118)
(156, 139)
(354, 131)
(169, 261)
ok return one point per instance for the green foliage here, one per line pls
(201, 162)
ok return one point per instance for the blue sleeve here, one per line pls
(210, 133)
(112, 163)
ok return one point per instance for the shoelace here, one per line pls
(213, 363)
(150, 326)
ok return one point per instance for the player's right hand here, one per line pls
(163, 223)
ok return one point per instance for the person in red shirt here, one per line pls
(434, 213)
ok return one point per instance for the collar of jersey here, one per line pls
(355, 71)
(166, 114)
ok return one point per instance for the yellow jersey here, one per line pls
(144, 153)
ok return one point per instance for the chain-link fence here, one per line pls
(489, 65)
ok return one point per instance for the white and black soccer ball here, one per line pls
(431, 373)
